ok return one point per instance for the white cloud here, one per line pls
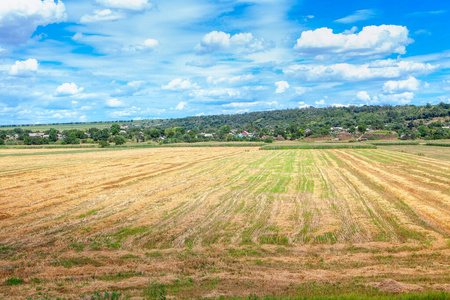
(224, 93)
(102, 15)
(219, 41)
(128, 4)
(179, 85)
(282, 86)
(181, 105)
(359, 15)
(372, 40)
(403, 98)
(64, 114)
(320, 102)
(395, 87)
(24, 68)
(20, 18)
(147, 46)
(129, 89)
(201, 63)
(236, 80)
(422, 31)
(261, 104)
(114, 103)
(363, 95)
(301, 90)
(340, 105)
(68, 89)
(376, 70)
(77, 37)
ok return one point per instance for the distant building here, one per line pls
(40, 134)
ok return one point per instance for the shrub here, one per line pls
(269, 140)
(119, 140)
(103, 144)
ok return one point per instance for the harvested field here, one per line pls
(211, 222)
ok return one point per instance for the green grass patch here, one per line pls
(89, 213)
(352, 296)
(312, 146)
(126, 232)
(395, 143)
(241, 252)
(14, 281)
(119, 276)
(438, 144)
(273, 239)
(76, 261)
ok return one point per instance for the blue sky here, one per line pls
(94, 60)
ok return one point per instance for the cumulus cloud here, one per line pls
(372, 40)
(320, 102)
(180, 84)
(282, 86)
(128, 5)
(359, 15)
(24, 68)
(181, 105)
(219, 41)
(68, 89)
(113, 103)
(102, 15)
(377, 70)
(408, 85)
(363, 96)
(401, 98)
(340, 105)
(20, 18)
(146, 46)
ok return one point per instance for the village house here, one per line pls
(40, 134)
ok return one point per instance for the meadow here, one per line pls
(225, 222)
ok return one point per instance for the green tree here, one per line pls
(104, 134)
(362, 128)
(72, 139)
(170, 132)
(115, 129)
(2, 141)
(119, 140)
(352, 129)
(53, 134)
(155, 133)
(225, 129)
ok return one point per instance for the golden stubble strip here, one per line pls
(430, 205)
(379, 209)
(81, 187)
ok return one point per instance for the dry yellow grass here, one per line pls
(221, 221)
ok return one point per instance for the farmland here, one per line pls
(224, 221)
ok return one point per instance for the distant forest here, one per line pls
(375, 116)
(408, 122)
